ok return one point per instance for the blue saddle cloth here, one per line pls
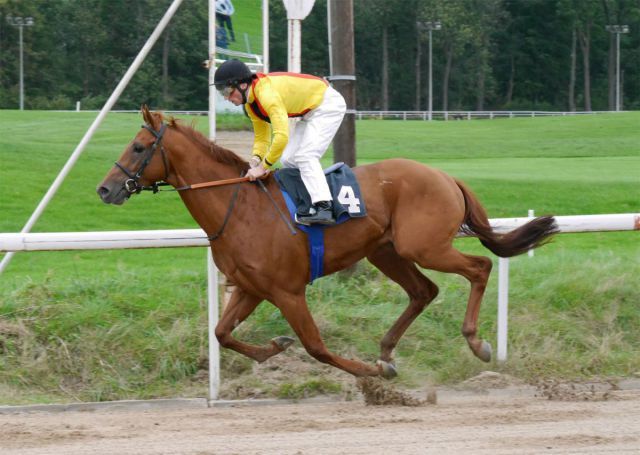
(347, 203)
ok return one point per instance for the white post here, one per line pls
(430, 75)
(77, 106)
(212, 69)
(329, 36)
(214, 347)
(617, 71)
(265, 36)
(295, 39)
(297, 10)
(96, 123)
(503, 307)
(531, 215)
(22, 70)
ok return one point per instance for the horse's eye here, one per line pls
(138, 148)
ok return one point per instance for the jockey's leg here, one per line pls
(321, 125)
(239, 308)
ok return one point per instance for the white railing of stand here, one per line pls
(12, 242)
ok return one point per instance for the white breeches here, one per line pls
(309, 141)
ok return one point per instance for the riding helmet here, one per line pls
(231, 73)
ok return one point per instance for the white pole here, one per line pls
(22, 72)
(531, 215)
(617, 71)
(214, 347)
(430, 76)
(295, 38)
(297, 10)
(503, 307)
(96, 123)
(329, 37)
(212, 272)
(212, 69)
(265, 36)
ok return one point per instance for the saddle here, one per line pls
(347, 203)
(345, 191)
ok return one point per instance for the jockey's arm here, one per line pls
(278, 131)
(261, 137)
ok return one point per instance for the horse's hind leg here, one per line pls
(476, 270)
(421, 291)
(240, 306)
(294, 309)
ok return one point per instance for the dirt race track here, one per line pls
(495, 422)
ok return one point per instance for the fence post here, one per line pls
(503, 307)
(213, 307)
(531, 215)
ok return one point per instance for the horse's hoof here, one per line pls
(484, 353)
(283, 342)
(387, 369)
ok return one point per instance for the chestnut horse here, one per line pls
(414, 214)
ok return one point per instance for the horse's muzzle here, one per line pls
(112, 194)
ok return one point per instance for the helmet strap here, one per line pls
(243, 93)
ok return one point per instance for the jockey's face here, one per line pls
(236, 96)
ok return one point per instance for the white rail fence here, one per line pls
(400, 115)
(465, 115)
(14, 242)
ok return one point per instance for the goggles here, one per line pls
(225, 90)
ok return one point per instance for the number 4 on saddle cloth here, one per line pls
(347, 203)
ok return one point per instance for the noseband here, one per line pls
(132, 184)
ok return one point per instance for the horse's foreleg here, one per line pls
(240, 306)
(296, 312)
(420, 289)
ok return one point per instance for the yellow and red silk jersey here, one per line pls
(272, 99)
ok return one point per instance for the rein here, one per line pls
(132, 185)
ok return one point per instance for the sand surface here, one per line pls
(507, 421)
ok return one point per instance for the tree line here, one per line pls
(487, 55)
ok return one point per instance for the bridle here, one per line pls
(132, 184)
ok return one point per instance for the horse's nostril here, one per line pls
(102, 191)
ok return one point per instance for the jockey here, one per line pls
(269, 100)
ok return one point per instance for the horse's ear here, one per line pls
(146, 115)
(153, 119)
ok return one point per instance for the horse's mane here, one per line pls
(219, 153)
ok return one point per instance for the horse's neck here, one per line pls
(207, 206)
(197, 166)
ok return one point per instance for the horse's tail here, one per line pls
(531, 235)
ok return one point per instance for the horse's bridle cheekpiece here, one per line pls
(132, 184)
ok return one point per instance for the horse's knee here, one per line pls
(223, 336)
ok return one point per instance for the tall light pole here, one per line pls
(618, 29)
(20, 22)
(430, 26)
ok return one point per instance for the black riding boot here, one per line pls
(320, 213)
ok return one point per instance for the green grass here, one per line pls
(96, 325)
(247, 18)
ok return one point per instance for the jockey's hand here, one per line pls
(255, 161)
(257, 172)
